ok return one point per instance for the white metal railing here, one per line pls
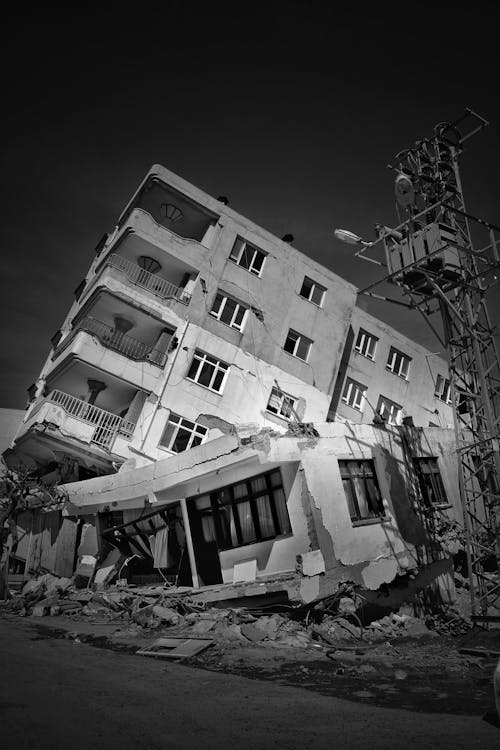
(121, 342)
(147, 280)
(107, 425)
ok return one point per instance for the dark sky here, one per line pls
(292, 110)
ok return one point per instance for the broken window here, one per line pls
(312, 291)
(389, 410)
(361, 489)
(398, 363)
(208, 371)
(282, 404)
(229, 311)
(353, 394)
(247, 256)
(431, 482)
(253, 510)
(443, 389)
(180, 434)
(366, 344)
(298, 345)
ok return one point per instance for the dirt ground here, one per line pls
(426, 674)
(59, 691)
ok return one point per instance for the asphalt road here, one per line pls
(65, 695)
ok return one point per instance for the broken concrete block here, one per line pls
(252, 632)
(270, 625)
(33, 587)
(312, 563)
(166, 614)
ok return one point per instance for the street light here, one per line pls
(344, 235)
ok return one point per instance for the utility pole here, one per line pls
(444, 261)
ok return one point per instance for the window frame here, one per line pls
(388, 401)
(443, 386)
(349, 385)
(393, 360)
(239, 307)
(435, 481)
(362, 345)
(313, 287)
(222, 521)
(292, 332)
(237, 256)
(178, 426)
(366, 470)
(218, 365)
(283, 397)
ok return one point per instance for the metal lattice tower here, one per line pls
(445, 261)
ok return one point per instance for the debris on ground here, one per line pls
(334, 626)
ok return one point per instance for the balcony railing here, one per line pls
(107, 425)
(147, 280)
(111, 338)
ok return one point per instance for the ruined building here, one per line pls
(220, 411)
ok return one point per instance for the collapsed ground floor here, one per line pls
(259, 514)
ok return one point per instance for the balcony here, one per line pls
(151, 282)
(100, 427)
(122, 343)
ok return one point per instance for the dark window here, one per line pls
(398, 363)
(312, 291)
(180, 434)
(431, 483)
(389, 410)
(229, 311)
(208, 371)
(366, 344)
(361, 489)
(298, 345)
(443, 389)
(252, 510)
(247, 256)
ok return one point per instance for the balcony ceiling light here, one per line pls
(148, 264)
(171, 212)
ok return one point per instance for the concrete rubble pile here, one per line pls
(141, 609)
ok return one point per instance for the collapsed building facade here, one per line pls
(221, 413)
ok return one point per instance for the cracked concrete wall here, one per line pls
(371, 554)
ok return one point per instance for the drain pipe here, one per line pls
(165, 383)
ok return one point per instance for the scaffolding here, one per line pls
(445, 261)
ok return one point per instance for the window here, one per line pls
(431, 483)
(354, 394)
(297, 345)
(282, 404)
(398, 363)
(247, 256)
(389, 410)
(366, 344)
(228, 311)
(312, 291)
(443, 389)
(181, 434)
(361, 489)
(208, 371)
(246, 512)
